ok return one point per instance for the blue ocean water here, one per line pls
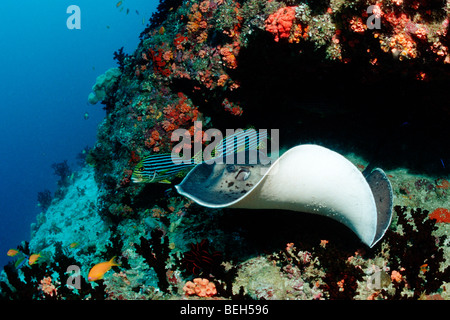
(47, 72)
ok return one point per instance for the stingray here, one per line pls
(307, 178)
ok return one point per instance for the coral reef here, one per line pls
(47, 287)
(63, 171)
(77, 212)
(280, 23)
(44, 199)
(416, 245)
(320, 71)
(200, 287)
(441, 215)
(156, 254)
(46, 280)
(105, 83)
(201, 259)
(120, 57)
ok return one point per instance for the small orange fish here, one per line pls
(162, 30)
(12, 252)
(34, 258)
(118, 4)
(98, 271)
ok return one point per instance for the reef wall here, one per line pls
(366, 79)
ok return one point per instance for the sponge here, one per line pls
(103, 84)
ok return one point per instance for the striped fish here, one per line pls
(162, 167)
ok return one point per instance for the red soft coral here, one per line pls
(280, 22)
(441, 215)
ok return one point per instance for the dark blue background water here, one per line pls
(46, 75)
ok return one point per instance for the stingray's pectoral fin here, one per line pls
(382, 194)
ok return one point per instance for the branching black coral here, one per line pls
(155, 251)
(44, 199)
(63, 171)
(23, 283)
(416, 251)
(120, 56)
(158, 17)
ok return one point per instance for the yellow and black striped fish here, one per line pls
(162, 167)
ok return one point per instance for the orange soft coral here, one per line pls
(403, 45)
(155, 135)
(228, 56)
(441, 215)
(204, 6)
(232, 107)
(200, 287)
(357, 25)
(47, 286)
(396, 276)
(298, 33)
(442, 183)
(178, 114)
(179, 41)
(280, 22)
(222, 80)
